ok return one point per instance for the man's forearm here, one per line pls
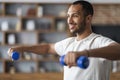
(111, 52)
(38, 49)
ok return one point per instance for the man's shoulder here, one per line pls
(100, 36)
(69, 39)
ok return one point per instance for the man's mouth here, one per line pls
(72, 26)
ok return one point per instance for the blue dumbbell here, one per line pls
(82, 61)
(15, 55)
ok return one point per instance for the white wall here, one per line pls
(62, 1)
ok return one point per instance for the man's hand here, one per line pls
(18, 49)
(70, 59)
(72, 56)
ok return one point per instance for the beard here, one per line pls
(80, 28)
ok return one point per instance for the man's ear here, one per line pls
(89, 18)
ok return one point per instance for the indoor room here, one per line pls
(30, 29)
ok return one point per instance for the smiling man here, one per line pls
(99, 49)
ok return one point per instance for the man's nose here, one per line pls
(70, 20)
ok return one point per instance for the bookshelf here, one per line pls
(29, 24)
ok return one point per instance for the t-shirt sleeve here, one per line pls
(104, 41)
(61, 46)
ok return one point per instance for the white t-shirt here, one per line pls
(99, 68)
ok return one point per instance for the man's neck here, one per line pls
(83, 35)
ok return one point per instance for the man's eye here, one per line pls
(76, 15)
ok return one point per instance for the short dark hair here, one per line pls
(87, 7)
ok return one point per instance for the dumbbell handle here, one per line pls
(15, 55)
(82, 61)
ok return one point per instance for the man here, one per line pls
(99, 49)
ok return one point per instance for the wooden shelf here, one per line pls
(45, 76)
(45, 27)
(115, 76)
(35, 76)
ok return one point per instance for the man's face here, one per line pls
(76, 20)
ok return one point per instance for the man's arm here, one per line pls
(38, 49)
(111, 52)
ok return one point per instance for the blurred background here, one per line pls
(29, 22)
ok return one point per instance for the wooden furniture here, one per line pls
(30, 24)
(35, 76)
(115, 76)
(44, 76)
